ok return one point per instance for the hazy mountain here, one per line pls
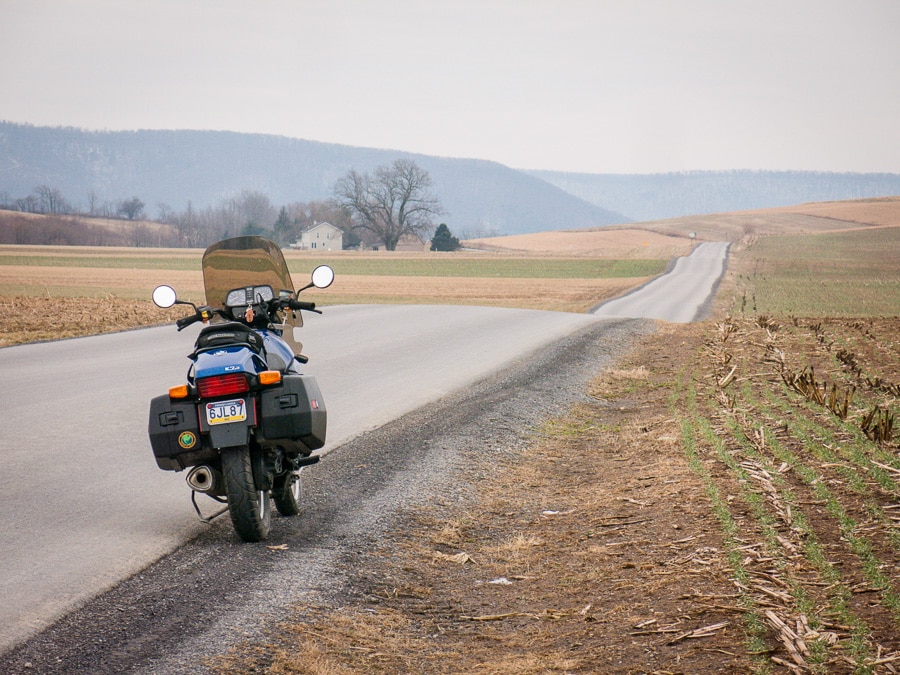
(671, 195)
(205, 167)
(481, 197)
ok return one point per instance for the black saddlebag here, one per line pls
(293, 415)
(175, 434)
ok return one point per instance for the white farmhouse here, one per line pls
(320, 237)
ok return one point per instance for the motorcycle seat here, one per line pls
(229, 334)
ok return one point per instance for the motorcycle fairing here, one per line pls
(244, 262)
(278, 356)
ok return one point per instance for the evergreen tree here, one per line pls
(283, 230)
(443, 239)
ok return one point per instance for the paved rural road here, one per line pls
(679, 296)
(82, 504)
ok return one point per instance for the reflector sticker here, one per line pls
(187, 440)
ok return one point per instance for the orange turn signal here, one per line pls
(270, 377)
(181, 391)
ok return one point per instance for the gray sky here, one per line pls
(601, 86)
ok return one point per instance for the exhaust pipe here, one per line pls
(204, 479)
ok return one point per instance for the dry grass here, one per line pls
(38, 303)
(614, 243)
(565, 295)
(802, 219)
(884, 211)
(97, 282)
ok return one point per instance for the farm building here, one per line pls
(320, 237)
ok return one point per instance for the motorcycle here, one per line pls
(247, 420)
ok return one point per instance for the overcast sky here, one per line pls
(600, 86)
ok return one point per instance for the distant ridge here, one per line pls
(205, 167)
(672, 195)
(482, 198)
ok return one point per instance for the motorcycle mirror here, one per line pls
(322, 276)
(164, 296)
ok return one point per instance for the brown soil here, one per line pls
(30, 319)
(660, 527)
(42, 309)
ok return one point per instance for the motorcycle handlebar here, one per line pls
(299, 304)
(187, 321)
(203, 314)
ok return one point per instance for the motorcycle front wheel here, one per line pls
(249, 508)
(286, 494)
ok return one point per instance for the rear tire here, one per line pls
(250, 510)
(287, 494)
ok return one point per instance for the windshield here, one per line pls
(244, 262)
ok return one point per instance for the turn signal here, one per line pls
(181, 391)
(270, 377)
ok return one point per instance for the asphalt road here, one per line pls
(82, 503)
(681, 295)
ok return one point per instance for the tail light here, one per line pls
(222, 385)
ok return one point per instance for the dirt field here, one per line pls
(40, 313)
(619, 243)
(790, 220)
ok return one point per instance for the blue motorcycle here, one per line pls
(247, 420)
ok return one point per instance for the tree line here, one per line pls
(48, 200)
(383, 208)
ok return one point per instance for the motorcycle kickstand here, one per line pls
(211, 518)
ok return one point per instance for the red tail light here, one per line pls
(222, 385)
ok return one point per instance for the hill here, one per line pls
(672, 195)
(482, 198)
(665, 239)
(206, 167)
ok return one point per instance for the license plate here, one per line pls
(224, 412)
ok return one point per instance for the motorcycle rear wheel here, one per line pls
(287, 494)
(249, 508)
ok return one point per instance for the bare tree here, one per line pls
(29, 204)
(249, 210)
(392, 203)
(166, 213)
(92, 202)
(51, 200)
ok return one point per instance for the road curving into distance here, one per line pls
(681, 295)
(82, 503)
